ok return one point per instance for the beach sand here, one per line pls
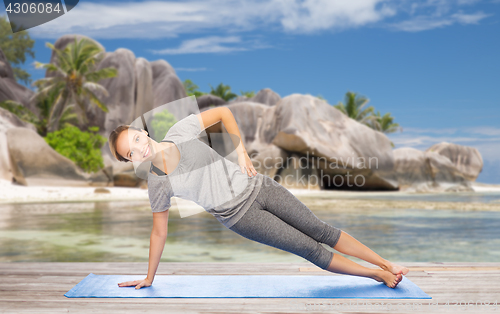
(10, 193)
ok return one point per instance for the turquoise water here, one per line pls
(119, 232)
(469, 197)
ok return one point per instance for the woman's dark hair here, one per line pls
(113, 137)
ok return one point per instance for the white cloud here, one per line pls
(422, 23)
(209, 44)
(430, 130)
(170, 19)
(314, 15)
(482, 130)
(469, 18)
(427, 141)
(154, 19)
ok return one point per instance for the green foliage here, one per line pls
(20, 111)
(160, 124)
(353, 107)
(248, 94)
(44, 104)
(191, 88)
(15, 46)
(75, 81)
(385, 123)
(68, 118)
(223, 91)
(81, 147)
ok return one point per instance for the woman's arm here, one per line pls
(156, 245)
(157, 242)
(210, 117)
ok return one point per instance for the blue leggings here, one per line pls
(277, 218)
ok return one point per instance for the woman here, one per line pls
(260, 209)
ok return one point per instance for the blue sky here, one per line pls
(433, 64)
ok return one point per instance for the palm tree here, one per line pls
(385, 123)
(248, 94)
(44, 104)
(191, 88)
(68, 118)
(20, 111)
(353, 108)
(75, 79)
(223, 91)
(16, 43)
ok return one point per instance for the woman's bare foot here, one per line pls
(396, 269)
(388, 278)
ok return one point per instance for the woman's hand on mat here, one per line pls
(137, 283)
(246, 165)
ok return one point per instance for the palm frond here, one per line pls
(93, 87)
(62, 56)
(45, 90)
(96, 100)
(68, 115)
(19, 110)
(100, 74)
(57, 108)
(43, 81)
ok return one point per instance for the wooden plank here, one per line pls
(423, 268)
(167, 267)
(471, 268)
(236, 306)
(40, 288)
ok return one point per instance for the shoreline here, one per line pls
(16, 194)
(342, 204)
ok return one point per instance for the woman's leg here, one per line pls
(350, 246)
(277, 200)
(282, 203)
(262, 226)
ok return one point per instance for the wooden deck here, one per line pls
(40, 288)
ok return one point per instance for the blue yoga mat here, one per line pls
(245, 286)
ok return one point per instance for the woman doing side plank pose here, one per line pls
(248, 203)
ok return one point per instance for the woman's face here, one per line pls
(134, 145)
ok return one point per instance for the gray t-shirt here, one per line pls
(204, 177)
